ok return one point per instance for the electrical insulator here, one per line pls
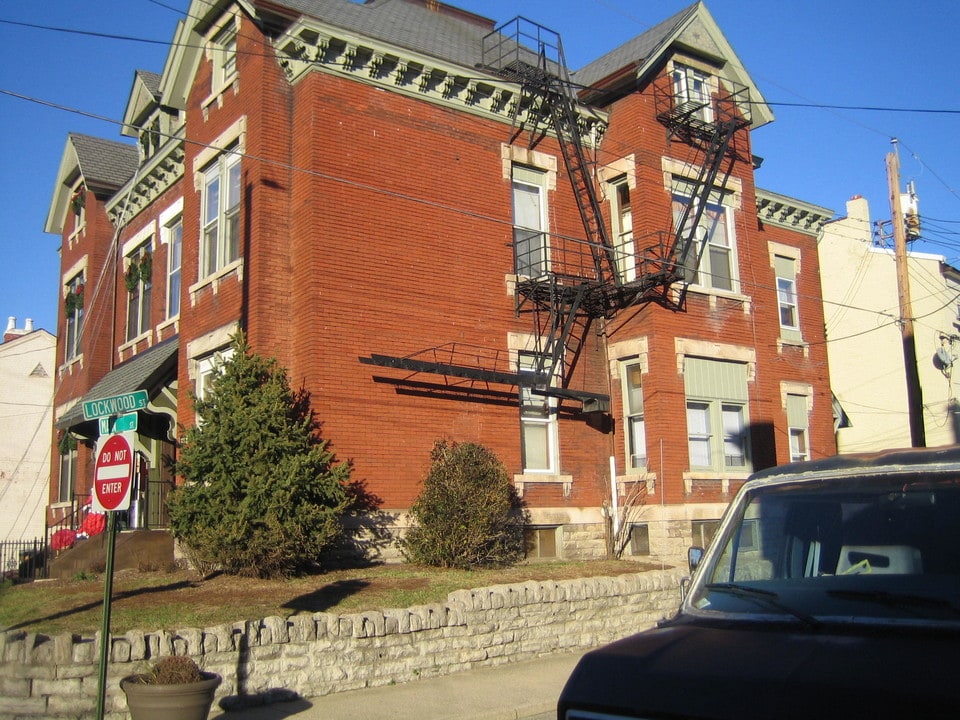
(911, 212)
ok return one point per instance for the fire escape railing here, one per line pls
(564, 282)
(706, 119)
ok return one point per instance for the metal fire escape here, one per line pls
(563, 282)
(707, 119)
(588, 279)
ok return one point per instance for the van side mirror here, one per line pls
(694, 556)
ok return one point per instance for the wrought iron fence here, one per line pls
(24, 560)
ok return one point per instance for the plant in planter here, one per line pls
(173, 688)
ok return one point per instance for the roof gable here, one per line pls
(692, 30)
(144, 98)
(104, 165)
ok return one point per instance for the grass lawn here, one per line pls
(153, 601)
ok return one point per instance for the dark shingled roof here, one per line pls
(151, 81)
(632, 52)
(448, 33)
(105, 162)
(147, 371)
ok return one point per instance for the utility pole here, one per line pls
(914, 392)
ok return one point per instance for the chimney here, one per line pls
(12, 332)
(859, 209)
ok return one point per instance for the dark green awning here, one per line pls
(151, 370)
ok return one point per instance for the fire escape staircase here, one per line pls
(585, 279)
(708, 122)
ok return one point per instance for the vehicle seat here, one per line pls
(882, 559)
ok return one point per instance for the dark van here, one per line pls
(831, 590)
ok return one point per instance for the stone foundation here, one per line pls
(324, 653)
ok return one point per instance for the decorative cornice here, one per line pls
(152, 179)
(312, 46)
(790, 213)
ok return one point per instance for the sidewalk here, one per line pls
(508, 692)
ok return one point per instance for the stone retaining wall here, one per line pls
(323, 653)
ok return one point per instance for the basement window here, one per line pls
(541, 542)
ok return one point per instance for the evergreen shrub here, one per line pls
(468, 513)
(262, 496)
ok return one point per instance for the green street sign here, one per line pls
(118, 424)
(116, 405)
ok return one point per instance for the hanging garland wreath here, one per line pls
(67, 444)
(139, 272)
(73, 301)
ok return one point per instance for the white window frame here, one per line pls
(73, 327)
(537, 412)
(173, 237)
(705, 275)
(220, 218)
(787, 303)
(139, 300)
(691, 85)
(717, 436)
(208, 367)
(69, 463)
(223, 57)
(621, 214)
(797, 407)
(527, 183)
(634, 423)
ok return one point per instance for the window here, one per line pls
(633, 416)
(78, 204)
(174, 259)
(224, 57)
(622, 216)
(639, 539)
(798, 423)
(538, 422)
(703, 531)
(786, 271)
(540, 542)
(68, 471)
(208, 368)
(717, 422)
(150, 138)
(531, 251)
(691, 92)
(220, 240)
(138, 279)
(708, 259)
(73, 308)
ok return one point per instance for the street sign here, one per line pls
(115, 405)
(118, 424)
(113, 474)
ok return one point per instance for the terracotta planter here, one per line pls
(191, 701)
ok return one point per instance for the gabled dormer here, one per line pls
(689, 48)
(144, 119)
(88, 166)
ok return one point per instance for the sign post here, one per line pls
(112, 479)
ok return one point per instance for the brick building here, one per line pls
(441, 232)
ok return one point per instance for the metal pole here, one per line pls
(105, 626)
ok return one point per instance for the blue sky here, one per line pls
(804, 55)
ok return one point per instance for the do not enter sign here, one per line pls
(113, 474)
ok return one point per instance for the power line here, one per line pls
(402, 196)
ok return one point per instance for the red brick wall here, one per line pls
(373, 222)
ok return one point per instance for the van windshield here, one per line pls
(864, 548)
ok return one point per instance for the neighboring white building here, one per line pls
(27, 370)
(864, 344)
